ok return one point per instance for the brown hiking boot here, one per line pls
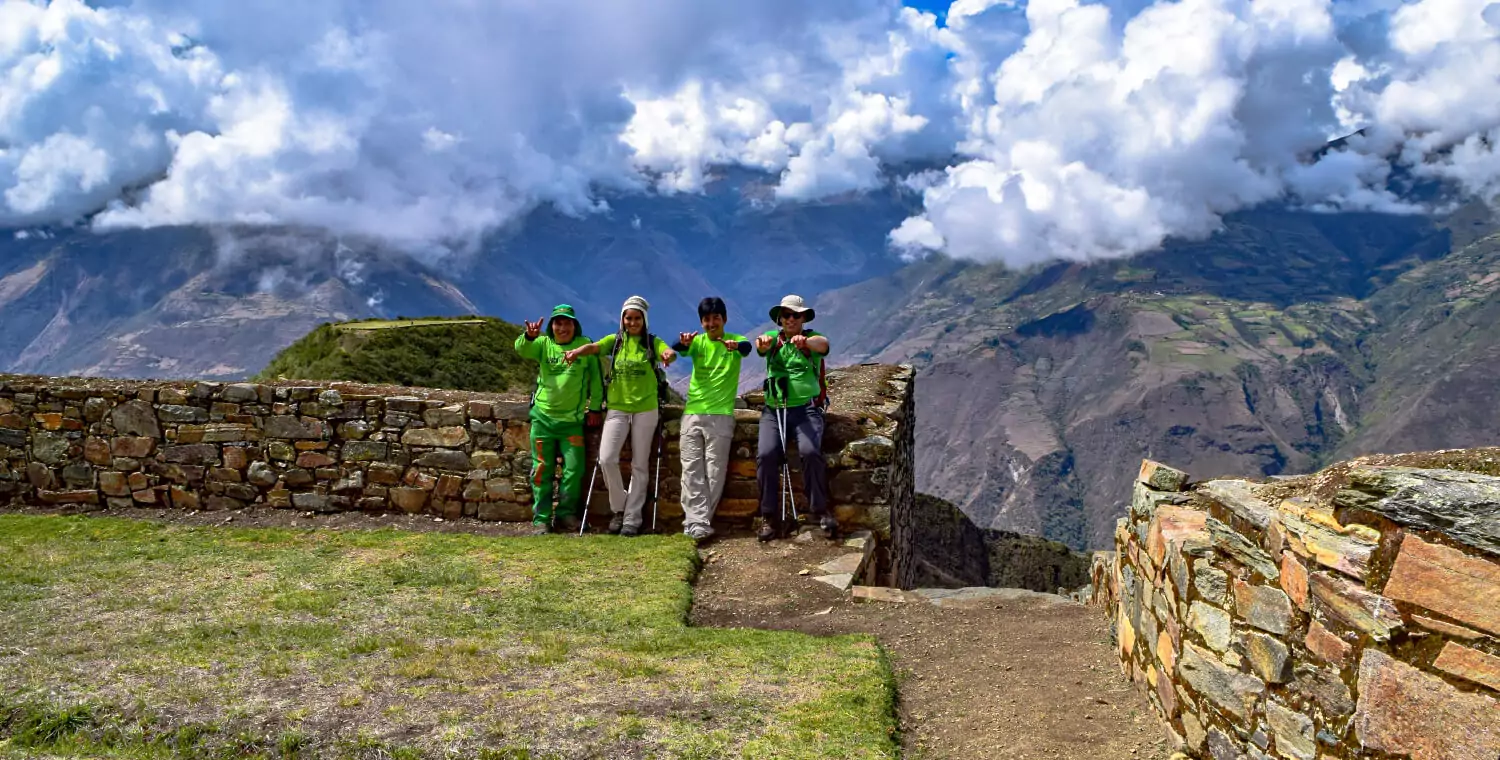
(768, 531)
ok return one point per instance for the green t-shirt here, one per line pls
(801, 372)
(716, 375)
(563, 391)
(632, 384)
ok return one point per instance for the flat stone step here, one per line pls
(960, 597)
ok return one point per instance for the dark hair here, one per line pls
(712, 305)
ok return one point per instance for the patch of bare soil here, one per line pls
(1030, 678)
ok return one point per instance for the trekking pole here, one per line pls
(661, 438)
(583, 521)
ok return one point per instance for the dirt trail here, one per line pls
(1008, 678)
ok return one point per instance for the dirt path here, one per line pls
(1033, 677)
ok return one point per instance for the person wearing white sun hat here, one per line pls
(795, 401)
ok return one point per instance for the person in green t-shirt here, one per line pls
(568, 397)
(794, 392)
(708, 419)
(631, 403)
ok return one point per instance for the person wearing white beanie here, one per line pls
(632, 361)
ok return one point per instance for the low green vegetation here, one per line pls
(129, 639)
(469, 353)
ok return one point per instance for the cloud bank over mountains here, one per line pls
(1064, 129)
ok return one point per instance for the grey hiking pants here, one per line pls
(640, 427)
(807, 423)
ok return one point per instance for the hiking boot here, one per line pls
(569, 524)
(540, 529)
(768, 531)
(617, 525)
(829, 526)
(700, 533)
(628, 531)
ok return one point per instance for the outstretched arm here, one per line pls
(818, 344)
(584, 350)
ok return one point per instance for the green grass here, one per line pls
(129, 639)
(472, 354)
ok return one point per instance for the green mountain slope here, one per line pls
(474, 354)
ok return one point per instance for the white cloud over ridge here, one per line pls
(1081, 130)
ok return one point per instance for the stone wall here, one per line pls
(326, 447)
(1264, 623)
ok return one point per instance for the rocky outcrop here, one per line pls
(331, 447)
(1263, 622)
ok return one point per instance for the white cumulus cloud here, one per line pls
(1033, 130)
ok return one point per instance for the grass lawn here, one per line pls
(130, 639)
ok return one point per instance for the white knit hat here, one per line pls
(638, 303)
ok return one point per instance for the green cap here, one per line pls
(564, 310)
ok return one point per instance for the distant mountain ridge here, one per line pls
(218, 302)
(1287, 341)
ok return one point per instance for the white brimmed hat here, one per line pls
(792, 303)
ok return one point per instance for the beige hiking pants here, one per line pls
(705, 442)
(641, 427)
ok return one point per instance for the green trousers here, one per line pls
(547, 437)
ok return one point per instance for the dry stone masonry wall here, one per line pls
(1270, 627)
(330, 447)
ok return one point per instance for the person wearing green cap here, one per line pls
(568, 397)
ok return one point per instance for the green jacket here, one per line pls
(793, 374)
(564, 392)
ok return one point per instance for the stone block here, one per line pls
(1294, 579)
(448, 487)
(364, 451)
(452, 461)
(1446, 580)
(1470, 664)
(1239, 498)
(135, 418)
(1324, 687)
(1403, 711)
(1172, 525)
(171, 396)
(354, 430)
(1326, 646)
(443, 416)
(137, 448)
(236, 457)
(1269, 658)
(50, 448)
(144, 496)
(182, 498)
(1235, 692)
(503, 511)
(194, 454)
(291, 428)
(78, 475)
(240, 393)
(96, 451)
(89, 496)
(315, 459)
(385, 474)
(1161, 477)
(875, 450)
(1227, 540)
(447, 437)
(1294, 732)
(1211, 582)
(1264, 607)
(114, 484)
(1346, 602)
(510, 410)
(262, 475)
(178, 413)
(1212, 624)
(314, 502)
(297, 478)
(1446, 628)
